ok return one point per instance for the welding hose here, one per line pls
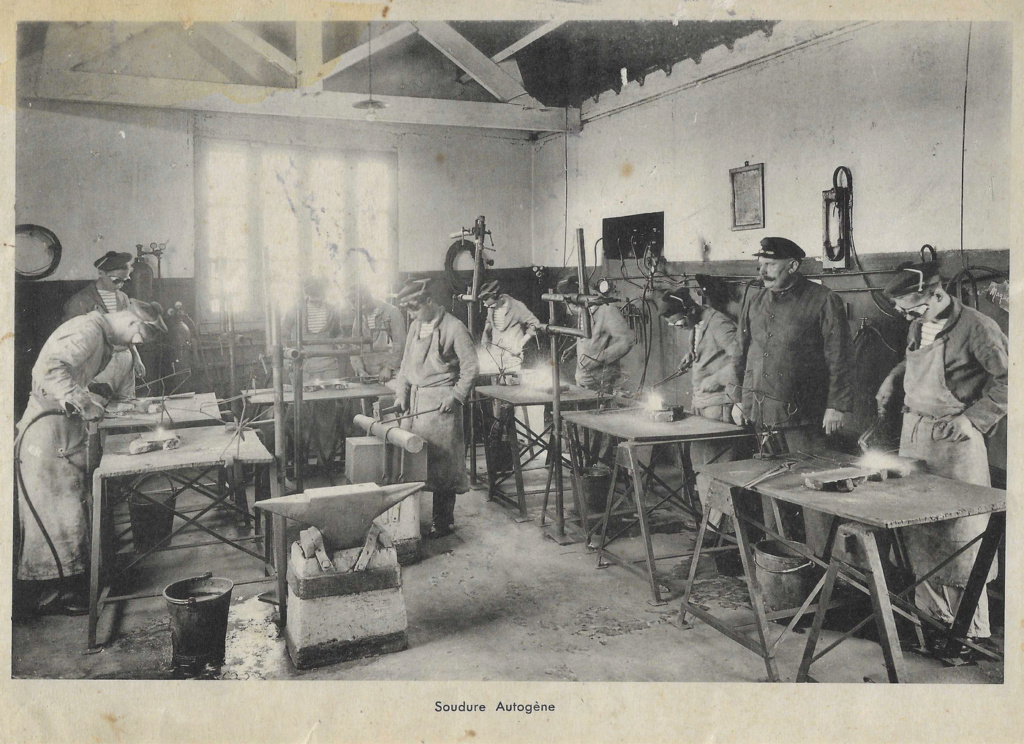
(20, 481)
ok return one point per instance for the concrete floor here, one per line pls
(495, 601)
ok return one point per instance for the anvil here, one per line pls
(344, 514)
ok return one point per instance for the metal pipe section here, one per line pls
(391, 433)
(576, 299)
(563, 330)
(278, 527)
(236, 405)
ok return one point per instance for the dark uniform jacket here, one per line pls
(88, 299)
(796, 350)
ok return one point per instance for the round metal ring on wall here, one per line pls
(53, 248)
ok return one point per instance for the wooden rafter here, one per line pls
(478, 65)
(151, 92)
(309, 54)
(72, 45)
(262, 47)
(358, 54)
(521, 44)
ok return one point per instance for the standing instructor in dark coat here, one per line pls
(795, 351)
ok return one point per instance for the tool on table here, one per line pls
(784, 467)
(311, 542)
(152, 441)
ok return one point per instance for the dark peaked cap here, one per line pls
(780, 248)
(113, 261)
(912, 277)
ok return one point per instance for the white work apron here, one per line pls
(930, 405)
(53, 463)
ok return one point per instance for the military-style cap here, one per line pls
(490, 291)
(676, 304)
(780, 248)
(151, 313)
(912, 277)
(113, 261)
(414, 290)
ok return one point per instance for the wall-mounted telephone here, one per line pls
(837, 222)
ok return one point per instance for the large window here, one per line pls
(268, 216)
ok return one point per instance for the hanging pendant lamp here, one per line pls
(370, 105)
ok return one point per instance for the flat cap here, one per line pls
(713, 288)
(913, 277)
(113, 261)
(490, 291)
(414, 290)
(780, 248)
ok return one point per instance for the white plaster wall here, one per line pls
(99, 189)
(886, 101)
(105, 178)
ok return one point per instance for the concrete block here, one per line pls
(364, 460)
(334, 617)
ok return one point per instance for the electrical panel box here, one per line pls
(636, 236)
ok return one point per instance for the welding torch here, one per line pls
(396, 409)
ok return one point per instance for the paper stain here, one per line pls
(626, 170)
(439, 158)
(384, 11)
(111, 720)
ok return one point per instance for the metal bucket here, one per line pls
(784, 575)
(199, 622)
(595, 482)
(151, 523)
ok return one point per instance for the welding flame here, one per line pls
(655, 402)
(535, 378)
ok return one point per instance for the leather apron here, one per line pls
(929, 405)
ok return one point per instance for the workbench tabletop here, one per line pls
(897, 502)
(634, 424)
(201, 446)
(354, 391)
(525, 395)
(201, 408)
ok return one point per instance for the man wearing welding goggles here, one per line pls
(438, 370)
(106, 295)
(508, 328)
(51, 549)
(954, 379)
(713, 360)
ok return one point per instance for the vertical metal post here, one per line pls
(299, 454)
(233, 387)
(556, 427)
(280, 454)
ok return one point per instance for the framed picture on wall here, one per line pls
(747, 196)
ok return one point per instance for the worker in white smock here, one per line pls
(433, 384)
(509, 327)
(52, 544)
(954, 379)
(323, 322)
(385, 325)
(714, 361)
(106, 295)
(598, 358)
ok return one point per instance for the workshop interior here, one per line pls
(523, 350)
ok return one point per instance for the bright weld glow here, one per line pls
(655, 402)
(535, 378)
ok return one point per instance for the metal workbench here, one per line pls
(870, 508)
